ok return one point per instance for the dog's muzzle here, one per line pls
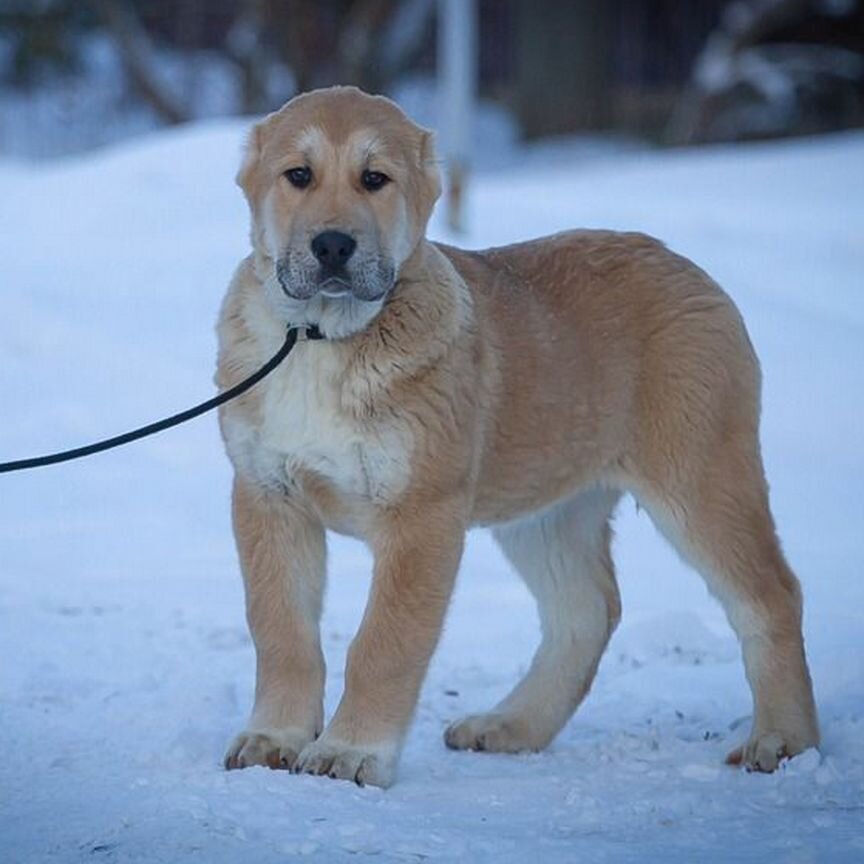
(333, 279)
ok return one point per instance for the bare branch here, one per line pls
(133, 43)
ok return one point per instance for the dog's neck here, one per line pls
(428, 307)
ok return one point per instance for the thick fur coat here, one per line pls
(525, 388)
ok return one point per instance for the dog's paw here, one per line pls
(765, 751)
(494, 733)
(275, 748)
(372, 765)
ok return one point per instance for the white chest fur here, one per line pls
(307, 425)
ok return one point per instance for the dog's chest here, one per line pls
(307, 425)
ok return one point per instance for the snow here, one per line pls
(127, 666)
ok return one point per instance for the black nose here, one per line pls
(333, 248)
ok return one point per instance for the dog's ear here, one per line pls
(431, 183)
(248, 171)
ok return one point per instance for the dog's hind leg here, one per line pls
(563, 555)
(719, 520)
(696, 467)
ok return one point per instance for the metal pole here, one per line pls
(457, 84)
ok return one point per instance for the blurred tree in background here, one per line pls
(670, 71)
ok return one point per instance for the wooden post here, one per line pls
(457, 85)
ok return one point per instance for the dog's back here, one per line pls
(599, 334)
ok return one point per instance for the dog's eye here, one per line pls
(373, 180)
(299, 177)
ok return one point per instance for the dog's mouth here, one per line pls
(333, 287)
(336, 287)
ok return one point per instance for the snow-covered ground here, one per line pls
(126, 665)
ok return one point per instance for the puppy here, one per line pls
(524, 388)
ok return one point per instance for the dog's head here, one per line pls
(341, 185)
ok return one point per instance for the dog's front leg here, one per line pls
(282, 556)
(417, 552)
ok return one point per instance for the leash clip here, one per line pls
(306, 332)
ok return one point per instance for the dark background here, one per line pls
(671, 72)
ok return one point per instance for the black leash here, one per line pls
(291, 337)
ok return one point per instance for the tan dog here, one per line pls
(524, 388)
